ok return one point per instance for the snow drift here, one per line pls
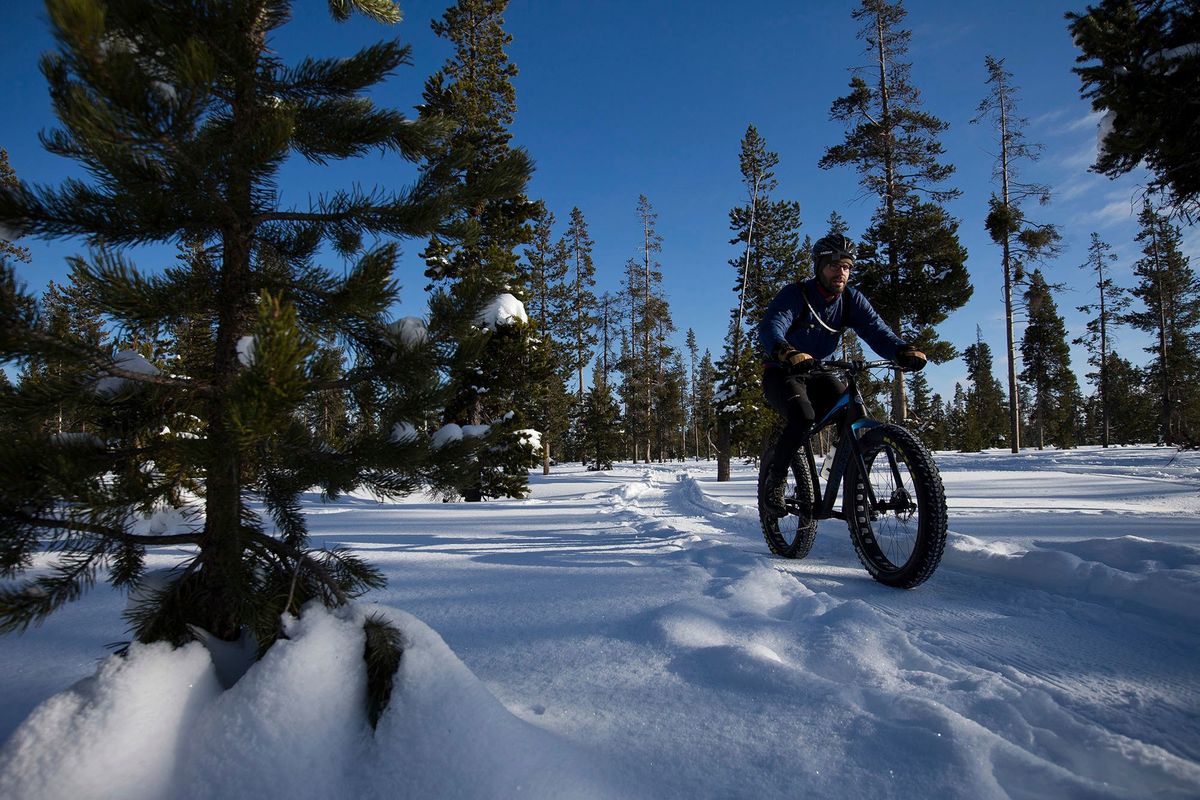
(156, 724)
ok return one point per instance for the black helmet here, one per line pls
(833, 247)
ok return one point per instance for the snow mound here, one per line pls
(157, 725)
(1156, 575)
(503, 309)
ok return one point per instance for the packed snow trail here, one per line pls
(638, 615)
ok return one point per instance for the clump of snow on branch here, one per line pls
(246, 350)
(127, 361)
(502, 310)
(475, 431)
(445, 435)
(403, 433)
(411, 331)
(534, 438)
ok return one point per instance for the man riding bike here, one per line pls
(802, 325)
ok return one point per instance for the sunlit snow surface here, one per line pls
(627, 634)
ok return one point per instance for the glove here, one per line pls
(910, 358)
(791, 357)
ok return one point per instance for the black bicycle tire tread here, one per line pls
(806, 535)
(934, 520)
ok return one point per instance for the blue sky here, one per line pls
(619, 98)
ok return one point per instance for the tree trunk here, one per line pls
(723, 450)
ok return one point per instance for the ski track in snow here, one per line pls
(1053, 654)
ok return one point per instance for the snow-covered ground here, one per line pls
(627, 634)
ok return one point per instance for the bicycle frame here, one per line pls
(850, 415)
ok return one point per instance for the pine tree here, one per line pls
(648, 321)
(767, 233)
(1170, 297)
(582, 318)
(1019, 239)
(66, 316)
(984, 420)
(693, 416)
(473, 91)
(8, 180)
(1111, 302)
(1128, 413)
(544, 280)
(601, 437)
(1141, 67)
(183, 114)
(1057, 401)
(912, 267)
(706, 417)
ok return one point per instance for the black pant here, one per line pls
(801, 400)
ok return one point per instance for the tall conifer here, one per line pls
(8, 179)
(1169, 292)
(183, 114)
(912, 267)
(984, 417)
(1020, 240)
(1046, 358)
(474, 91)
(1111, 302)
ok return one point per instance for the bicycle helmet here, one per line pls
(833, 247)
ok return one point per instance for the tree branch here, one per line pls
(287, 552)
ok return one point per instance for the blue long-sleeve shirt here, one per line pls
(796, 314)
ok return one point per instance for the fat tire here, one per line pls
(929, 531)
(781, 539)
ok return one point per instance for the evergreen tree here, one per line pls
(912, 267)
(649, 323)
(956, 418)
(473, 91)
(1170, 310)
(767, 233)
(984, 417)
(1019, 239)
(1108, 308)
(581, 316)
(706, 417)
(8, 180)
(670, 409)
(544, 278)
(183, 114)
(1141, 67)
(692, 413)
(1128, 413)
(601, 425)
(1057, 401)
(66, 316)
(922, 407)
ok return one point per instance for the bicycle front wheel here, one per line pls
(900, 536)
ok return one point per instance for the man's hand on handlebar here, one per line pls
(793, 359)
(910, 358)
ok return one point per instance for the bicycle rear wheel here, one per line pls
(791, 536)
(900, 540)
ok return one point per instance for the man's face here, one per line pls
(833, 275)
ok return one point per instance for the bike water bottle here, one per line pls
(827, 465)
